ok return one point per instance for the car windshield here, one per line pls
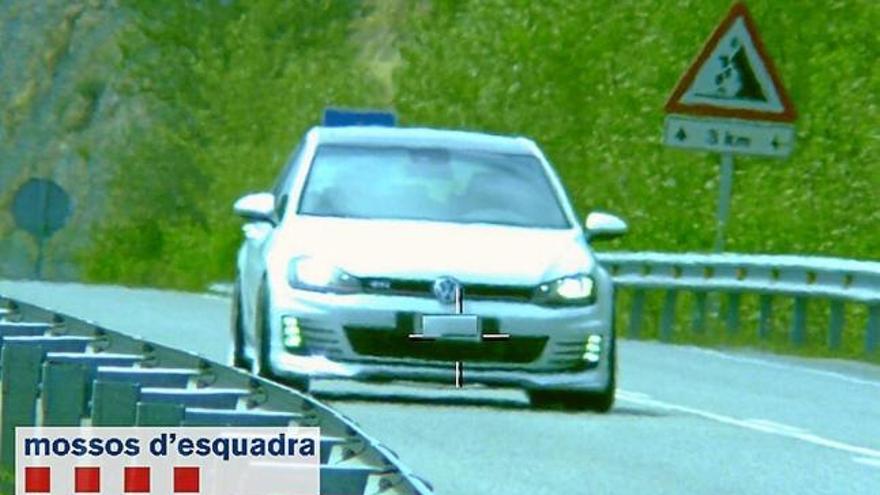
(433, 184)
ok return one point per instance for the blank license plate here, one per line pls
(451, 327)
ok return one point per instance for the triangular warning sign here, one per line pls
(733, 76)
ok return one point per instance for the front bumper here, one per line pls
(290, 365)
(327, 323)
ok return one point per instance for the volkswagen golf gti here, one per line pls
(389, 253)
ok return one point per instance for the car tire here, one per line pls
(237, 358)
(600, 401)
(262, 367)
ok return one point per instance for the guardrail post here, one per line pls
(64, 393)
(835, 324)
(114, 404)
(799, 321)
(20, 381)
(636, 313)
(872, 332)
(765, 316)
(667, 319)
(732, 319)
(699, 320)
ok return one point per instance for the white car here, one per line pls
(386, 253)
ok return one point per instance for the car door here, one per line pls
(252, 257)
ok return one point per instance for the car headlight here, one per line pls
(315, 274)
(573, 290)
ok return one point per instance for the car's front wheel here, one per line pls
(237, 358)
(580, 401)
(262, 366)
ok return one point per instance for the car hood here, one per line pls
(424, 250)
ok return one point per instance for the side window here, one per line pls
(282, 187)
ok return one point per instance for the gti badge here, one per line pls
(446, 289)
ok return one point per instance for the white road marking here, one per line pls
(868, 461)
(763, 426)
(789, 367)
(625, 394)
(216, 297)
(772, 425)
(222, 288)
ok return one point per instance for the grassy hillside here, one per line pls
(588, 79)
(232, 86)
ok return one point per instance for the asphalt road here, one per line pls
(687, 420)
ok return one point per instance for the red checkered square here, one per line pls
(37, 479)
(137, 480)
(87, 479)
(186, 480)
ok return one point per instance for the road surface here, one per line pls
(688, 420)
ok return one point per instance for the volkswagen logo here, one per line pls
(445, 289)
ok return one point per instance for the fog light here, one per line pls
(593, 349)
(591, 357)
(290, 333)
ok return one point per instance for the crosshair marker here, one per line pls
(458, 307)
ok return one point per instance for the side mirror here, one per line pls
(604, 226)
(257, 207)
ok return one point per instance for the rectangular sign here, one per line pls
(210, 461)
(341, 118)
(729, 136)
(451, 326)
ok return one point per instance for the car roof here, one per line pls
(423, 137)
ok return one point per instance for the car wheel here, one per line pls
(600, 401)
(262, 367)
(237, 359)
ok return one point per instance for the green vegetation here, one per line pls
(7, 483)
(231, 88)
(589, 79)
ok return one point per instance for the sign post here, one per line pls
(725, 192)
(731, 101)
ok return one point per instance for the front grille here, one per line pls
(568, 354)
(392, 343)
(511, 292)
(318, 339)
(417, 288)
(424, 288)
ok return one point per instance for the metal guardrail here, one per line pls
(802, 278)
(57, 370)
